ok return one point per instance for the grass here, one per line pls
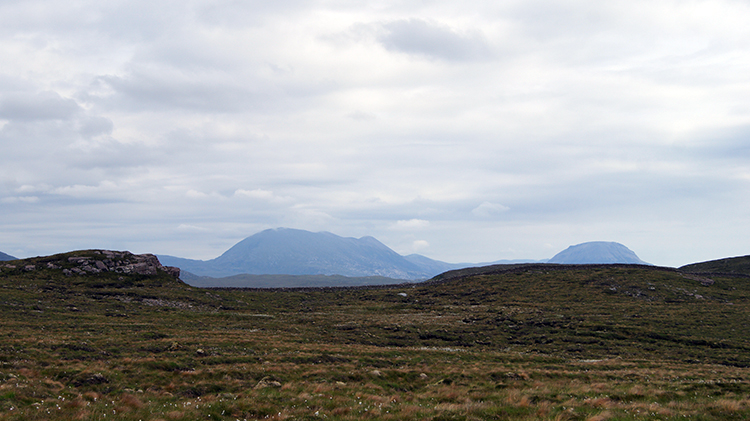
(527, 343)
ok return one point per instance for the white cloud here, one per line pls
(412, 224)
(259, 194)
(487, 209)
(20, 199)
(420, 245)
(86, 191)
(191, 228)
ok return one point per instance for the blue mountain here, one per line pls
(298, 252)
(5, 257)
(597, 252)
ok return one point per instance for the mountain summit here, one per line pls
(597, 252)
(298, 252)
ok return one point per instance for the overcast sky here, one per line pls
(464, 131)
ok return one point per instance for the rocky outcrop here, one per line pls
(91, 262)
(118, 262)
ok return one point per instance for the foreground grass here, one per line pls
(583, 344)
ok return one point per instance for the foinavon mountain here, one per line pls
(297, 252)
(597, 252)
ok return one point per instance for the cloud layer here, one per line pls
(467, 133)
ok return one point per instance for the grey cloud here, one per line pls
(176, 91)
(236, 13)
(37, 106)
(95, 126)
(417, 36)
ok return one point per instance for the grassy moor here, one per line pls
(514, 342)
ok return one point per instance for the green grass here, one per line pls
(534, 342)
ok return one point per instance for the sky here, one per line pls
(463, 131)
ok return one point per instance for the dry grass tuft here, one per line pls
(600, 417)
(131, 401)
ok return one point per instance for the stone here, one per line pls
(267, 382)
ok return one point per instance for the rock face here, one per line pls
(119, 262)
(92, 262)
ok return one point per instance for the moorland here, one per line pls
(513, 342)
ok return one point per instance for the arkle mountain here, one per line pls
(597, 252)
(297, 252)
(5, 257)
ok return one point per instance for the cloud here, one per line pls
(45, 105)
(176, 90)
(412, 224)
(486, 128)
(266, 196)
(419, 245)
(20, 199)
(255, 194)
(487, 210)
(434, 40)
(191, 228)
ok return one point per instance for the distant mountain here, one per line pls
(732, 265)
(296, 252)
(596, 252)
(5, 257)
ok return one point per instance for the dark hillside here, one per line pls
(5, 257)
(733, 265)
(594, 311)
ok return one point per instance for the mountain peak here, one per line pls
(298, 252)
(597, 252)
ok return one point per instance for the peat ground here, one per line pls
(517, 343)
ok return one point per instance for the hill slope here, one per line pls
(596, 252)
(733, 265)
(5, 257)
(573, 342)
(297, 252)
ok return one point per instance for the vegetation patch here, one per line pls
(523, 343)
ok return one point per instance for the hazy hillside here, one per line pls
(433, 267)
(733, 265)
(297, 252)
(286, 281)
(5, 257)
(597, 252)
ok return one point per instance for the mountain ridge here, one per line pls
(4, 257)
(294, 252)
(290, 251)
